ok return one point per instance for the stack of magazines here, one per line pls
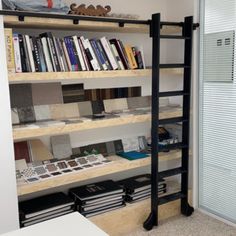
(98, 198)
(44, 208)
(138, 188)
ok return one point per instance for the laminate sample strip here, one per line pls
(71, 110)
(85, 108)
(139, 102)
(26, 114)
(42, 112)
(47, 93)
(115, 104)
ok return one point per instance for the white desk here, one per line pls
(73, 224)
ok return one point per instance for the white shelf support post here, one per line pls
(8, 197)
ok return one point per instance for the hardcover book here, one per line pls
(9, 50)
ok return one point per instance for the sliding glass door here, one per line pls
(217, 109)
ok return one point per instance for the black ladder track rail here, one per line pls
(172, 120)
(187, 35)
(75, 19)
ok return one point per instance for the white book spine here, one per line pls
(83, 54)
(108, 51)
(92, 60)
(51, 55)
(29, 49)
(17, 53)
(47, 56)
(78, 49)
(121, 66)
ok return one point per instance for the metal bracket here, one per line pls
(75, 21)
(21, 18)
(121, 24)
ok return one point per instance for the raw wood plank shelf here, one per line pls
(119, 164)
(67, 24)
(79, 75)
(26, 133)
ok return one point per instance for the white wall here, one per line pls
(8, 196)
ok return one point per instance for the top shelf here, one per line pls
(86, 24)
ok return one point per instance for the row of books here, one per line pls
(47, 53)
(90, 200)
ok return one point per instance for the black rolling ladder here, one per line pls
(187, 35)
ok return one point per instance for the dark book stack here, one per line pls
(98, 198)
(138, 188)
(44, 208)
(46, 53)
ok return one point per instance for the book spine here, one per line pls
(124, 53)
(108, 52)
(47, 54)
(30, 53)
(41, 55)
(120, 53)
(140, 49)
(75, 54)
(28, 68)
(99, 45)
(9, 50)
(79, 53)
(62, 55)
(68, 62)
(88, 51)
(70, 52)
(100, 58)
(139, 60)
(130, 56)
(35, 52)
(117, 57)
(58, 53)
(17, 53)
(87, 65)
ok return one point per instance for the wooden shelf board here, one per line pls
(119, 164)
(127, 220)
(63, 24)
(81, 75)
(27, 133)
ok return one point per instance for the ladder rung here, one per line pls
(170, 197)
(166, 66)
(173, 37)
(172, 120)
(172, 147)
(171, 172)
(173, 93)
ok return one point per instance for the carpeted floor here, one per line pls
(198, 224)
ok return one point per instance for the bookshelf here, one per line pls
(118, 165)
(27, 133)
(81, 75)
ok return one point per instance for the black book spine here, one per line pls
(36, 57)
(124, 55)
(41, 55)
(22, 53)
(27, 60)
(78, 64)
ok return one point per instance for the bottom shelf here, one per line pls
(130, 218)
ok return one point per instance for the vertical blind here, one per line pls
(217, 117)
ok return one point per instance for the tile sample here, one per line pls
(42, 112)
(130, 144)
(98, 107)
(21, 95)
(22, 151)
(85, 108)
(26, 114)
(110, 148)
(14, 116)
(71, 110)
(57, 111)
(139, 102)
(118, 146)
(73, 93)
(115, 104)
(47, 93)
(39, 152)
(61, 146)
